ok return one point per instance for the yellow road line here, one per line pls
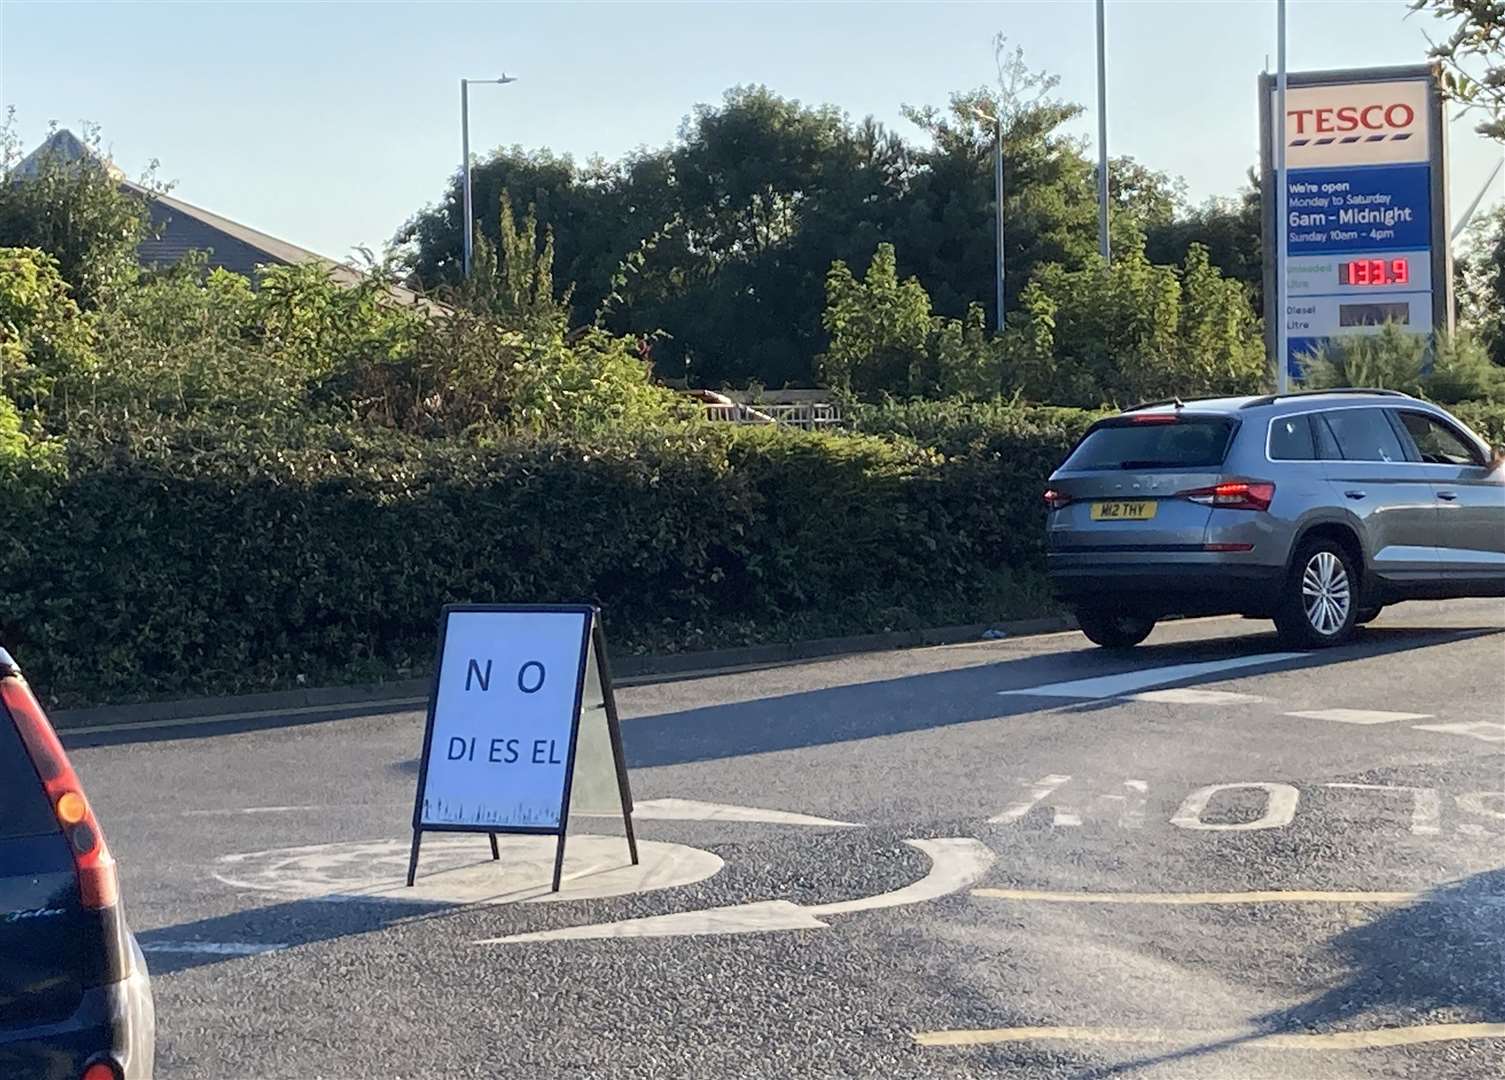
(1269, 896)
(1332, 1040)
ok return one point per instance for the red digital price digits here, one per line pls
(1375, 272)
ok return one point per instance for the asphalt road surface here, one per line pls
(1019, 858)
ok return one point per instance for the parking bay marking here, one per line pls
(1359, 716)
(1132, 682)
(1487, 730)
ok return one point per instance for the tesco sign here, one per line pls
(1357, 124)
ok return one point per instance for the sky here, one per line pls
(329, 124)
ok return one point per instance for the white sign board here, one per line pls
(505, 710)
(1357, 123)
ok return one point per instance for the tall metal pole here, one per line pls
(469, 238)
(998, 211)
(1102, 138)
(1282, 211)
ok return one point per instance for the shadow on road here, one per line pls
(1441, 955)
(288, 924)
(958, 696)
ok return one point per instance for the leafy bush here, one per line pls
(1448, 368)
(196, 560)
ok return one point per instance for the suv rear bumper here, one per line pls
(1167, 588)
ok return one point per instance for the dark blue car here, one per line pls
(75, 1000)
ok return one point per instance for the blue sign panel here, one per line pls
(1359, 208)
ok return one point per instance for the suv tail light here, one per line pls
(1055, 500)
(97, 884)
(1234, 495)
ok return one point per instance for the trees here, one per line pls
(1477, 34)
(71, 205)
(1479, 273)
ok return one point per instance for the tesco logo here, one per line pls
(1385, 121)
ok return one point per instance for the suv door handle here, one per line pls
(1355, 494)
(1447, 496)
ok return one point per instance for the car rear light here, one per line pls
(1154, 418)
(101, 1070)
(1055, 500)
(1234, 495)
(97, 884)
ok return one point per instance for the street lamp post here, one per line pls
(469, 238)
(997, 123)
(1102, 138)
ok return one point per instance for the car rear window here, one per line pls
(1291, 439)
(1187, 442)
(24, 809)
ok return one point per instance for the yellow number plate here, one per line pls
(1123, 511)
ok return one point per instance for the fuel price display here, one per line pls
(1375, 272)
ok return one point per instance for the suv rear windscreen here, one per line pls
(1179, 443)
(24, 809)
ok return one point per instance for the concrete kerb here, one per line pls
(412, 694)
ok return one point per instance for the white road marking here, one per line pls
(1280, 807)
(1487, 730)
(1468, 828)
(1066, 818)
(1358, 716)
(1132, 682)
(691, 810)
(1473, 802)
(1426, 807)
(1043, 787)
(1266, 896)
(250, 810)
(1230, 1039)
(955, 863)
(211, 948)
(1185, 695)
(457, 868)
(1132, 814)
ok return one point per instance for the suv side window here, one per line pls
(1438, 443)
(1364, 435)
(1291, 439)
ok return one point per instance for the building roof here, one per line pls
(179, 227)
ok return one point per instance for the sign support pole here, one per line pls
(614, 726)
(1282, 211)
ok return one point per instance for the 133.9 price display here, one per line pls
(1375, 272)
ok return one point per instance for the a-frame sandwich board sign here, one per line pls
(522, 727)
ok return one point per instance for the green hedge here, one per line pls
(1485, 417)
(194, 564)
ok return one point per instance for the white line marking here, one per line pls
(212, 948)
(1185, 695)
(1266, 896)
(1043, 787)
(1358, 716)
(1251, 1039)
(386, 705)
(691, 810)
(1066, 818)
(1473, 803)
(1131, 682)
(1280, 807)
(249, 810)
(1426, 807)
(955, 863)
(1487, 730)
(1132, 814)
(1468, 828)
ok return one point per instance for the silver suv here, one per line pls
(1313, 509)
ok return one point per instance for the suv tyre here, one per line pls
(1319, 601)
(1114, 630)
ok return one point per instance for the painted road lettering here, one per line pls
(1279, 804)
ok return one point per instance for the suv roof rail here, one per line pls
(1270, 399)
